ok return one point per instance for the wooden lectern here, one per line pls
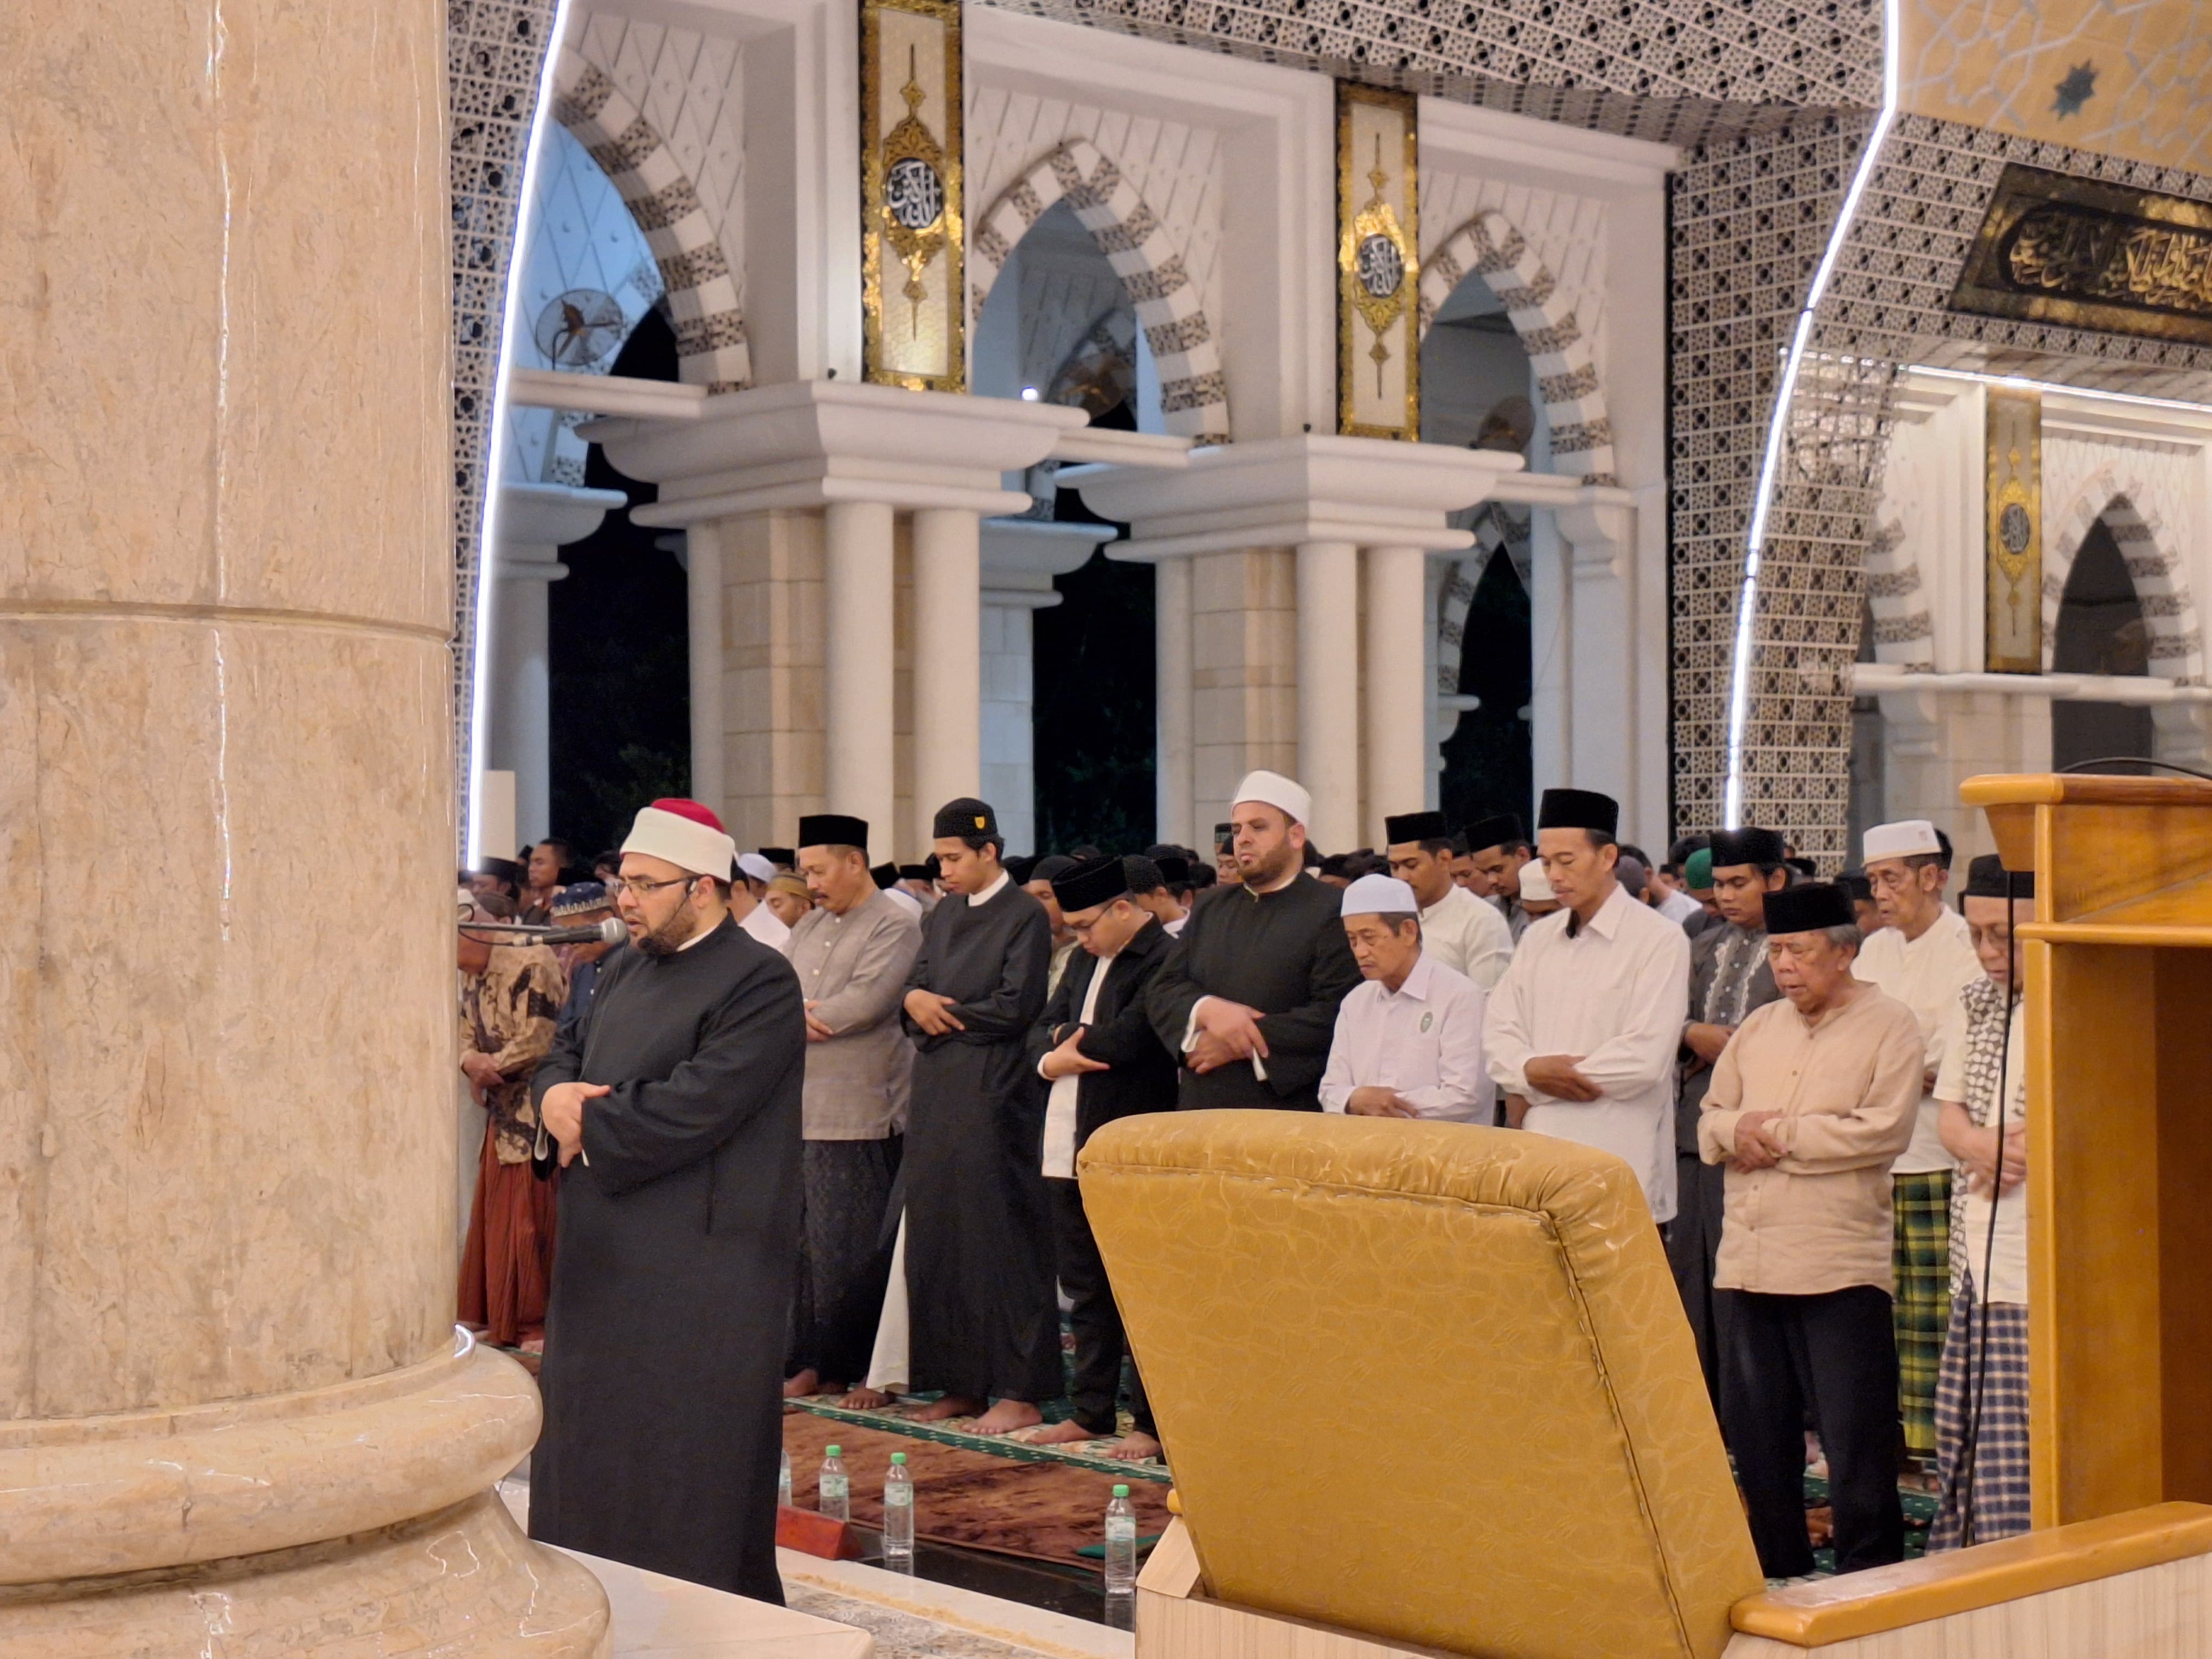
(2119, 976)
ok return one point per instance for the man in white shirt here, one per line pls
(1409, 1040)
(1581, 1030)
(754, 874)
(1457, 928)
(1924, 955)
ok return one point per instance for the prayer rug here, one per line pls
(1044, 1509)
(897, 1418)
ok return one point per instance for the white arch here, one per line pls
(2176, 640)
(1193, 393)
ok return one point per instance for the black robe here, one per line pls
(981, 1311)
(672, 1269)
(1283, 953)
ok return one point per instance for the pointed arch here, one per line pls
(1193, 393)
(702, 289)
(2177, 640)
(1487, 245)
(1903, 631)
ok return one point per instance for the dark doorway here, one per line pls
(2101, 630)
(1488, 766)
(619, 638)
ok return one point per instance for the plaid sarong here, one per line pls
(1921, 1203)
(1997, 1492)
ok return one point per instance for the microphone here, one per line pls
(611, 931)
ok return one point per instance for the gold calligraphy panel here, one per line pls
(2013, 510)
(1378, 328)
(910, 239)
(2058, 249)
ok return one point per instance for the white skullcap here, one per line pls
(1273, 789)
(1905, 839)
(1379, 895)
(1535, 885)
(696, 843)
(757, 867)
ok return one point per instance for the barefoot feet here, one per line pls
(1062, 1434)
(1136, 1446)
(1007, 1416)
(806, 1383)
(865, 1399)
(951, 1406)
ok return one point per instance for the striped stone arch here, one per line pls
(1903, 631)
(2177, 641)
(702, 289)
(1497, 530)
(1487, 245)
(1193, 393)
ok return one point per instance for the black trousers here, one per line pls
(843, 1262)
(1099, 1343)
(1693, 1244)
(1838, 1353)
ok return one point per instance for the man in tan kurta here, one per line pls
(1810, 1104)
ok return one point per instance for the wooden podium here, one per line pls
(2119, 976)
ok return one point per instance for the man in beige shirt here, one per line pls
(1810, 1104)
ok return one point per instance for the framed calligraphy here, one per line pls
(2012, 507)
(1378, 324)
(911, 245)
(2058, 249)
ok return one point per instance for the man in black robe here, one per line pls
(983, 1320)
(1247, 997)
(676, 1112)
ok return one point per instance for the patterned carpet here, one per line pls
(897, 1418)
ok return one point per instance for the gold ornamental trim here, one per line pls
(912, 249)
(1378, 261)
(2056, 249)
(2013, 533)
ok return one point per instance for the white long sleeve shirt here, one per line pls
(1616, 992)
(1468, 936)
(1422, 1041)
(1926, 975)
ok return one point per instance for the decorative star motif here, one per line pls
(2076, 89)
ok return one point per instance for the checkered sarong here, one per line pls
(1998, 1495)
(1921, 1203)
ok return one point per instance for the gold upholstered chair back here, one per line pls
(1428, 1381)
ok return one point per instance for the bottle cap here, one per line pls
(836, 1451)
(899, 1458)
(1120, 1492)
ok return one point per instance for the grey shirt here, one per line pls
(853, 971)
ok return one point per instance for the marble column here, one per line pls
(233, 1407)
(1328, 690)
(948, 674)
(1395, 700)
(704, 666)
(859, 708)
(1176, 720)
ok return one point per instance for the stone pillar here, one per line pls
(948, 683)
(1396, 670)
(228, 1224)
(858, 662)
(1328, 690)
(1175, 819)
(703, 593)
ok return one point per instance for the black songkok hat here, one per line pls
(1051, 867)
(1501, 830)
(1020, 869)
(1855, 882)
(886, 875)
(1747, 846)
(1144, 873)
(965, 817)
(1986, 878)
(788, 859)
(1577, 809)
(1414, 826)
(1223, 834)
(1093, 882)
(504, 869)
(1809, 906)
(914, 872)
(823, 829)
(1174, 870)
(930, 868)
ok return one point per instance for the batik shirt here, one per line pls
(1737, 958)
(508, 1011)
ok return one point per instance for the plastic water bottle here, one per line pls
(898, 1516)
(1120, 1546)
(836, 1498)
(783, 1480)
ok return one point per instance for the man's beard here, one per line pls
(671, 936)
(1273, 868)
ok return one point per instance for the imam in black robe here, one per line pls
(983, 1319)
(663, 1376)
(1283, 953)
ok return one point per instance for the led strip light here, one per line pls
(2019, 383)
(496, 439)
(1777, 423)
